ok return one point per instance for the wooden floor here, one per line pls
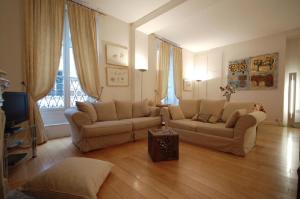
(269, 171)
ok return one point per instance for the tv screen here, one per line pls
(15, 106)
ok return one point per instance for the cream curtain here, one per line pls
(44, 22)
(83, 33)
(177, 68)
(163, 71)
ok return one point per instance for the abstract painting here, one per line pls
(264, 71)
(117, 76)
(259, 72)
(116, 55)
(238, 74)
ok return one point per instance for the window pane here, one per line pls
(76, 92)
(55, 98)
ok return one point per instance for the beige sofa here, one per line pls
(115, 122)
(238, 140)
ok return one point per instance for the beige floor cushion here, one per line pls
(87, 108)
(73, 178)
(213, 108)
(124, 109)
(176, 113)
(106, 111)
(189, 107)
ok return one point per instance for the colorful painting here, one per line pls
(264, 71)
(259, 72)
(117, 76)
(238, 74)
(116, 55)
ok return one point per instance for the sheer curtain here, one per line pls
(44, 21)
(177, 68)
(83, 33)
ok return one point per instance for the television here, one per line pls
(15, 106)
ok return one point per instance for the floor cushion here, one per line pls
(79, 178)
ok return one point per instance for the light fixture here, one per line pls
(142, 70)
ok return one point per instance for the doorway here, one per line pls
(293, 113)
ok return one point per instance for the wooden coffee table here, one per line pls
(163, 144)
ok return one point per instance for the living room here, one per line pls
(218, 78)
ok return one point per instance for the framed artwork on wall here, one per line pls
(116, 76)
(187, 85)
(116, 55)
(254, 73)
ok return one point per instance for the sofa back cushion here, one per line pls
(176, 113)
(87, 108)
(233, 106)
(106, 111)
(213, 108)
(124, 109)
(189, 107)
(140, 109)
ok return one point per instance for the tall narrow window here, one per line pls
(171, 97)
(67, 89)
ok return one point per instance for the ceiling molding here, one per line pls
(159, 11)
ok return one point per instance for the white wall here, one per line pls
(188, 69)
(11, 41)
(215, 62)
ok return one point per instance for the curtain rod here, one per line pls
(166, 40)
(101, 13)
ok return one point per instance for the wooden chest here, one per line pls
(163, 144)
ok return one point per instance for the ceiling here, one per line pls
(200, 25)
(125, 10)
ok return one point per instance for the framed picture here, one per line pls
(187, 85)
(117, 76)
(116, 55)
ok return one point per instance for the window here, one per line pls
(67, 89)
(171, 97)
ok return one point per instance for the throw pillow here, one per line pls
(106, 111)
(189, 107)
(124, 109)
(233, 118)
(213, 108)
(204, 117)
(87, 108)
(72, 178)
(140, 109)
(176, 113)
(195, 117)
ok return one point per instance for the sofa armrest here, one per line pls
(247, 121)
(165, 115)
(77, 118)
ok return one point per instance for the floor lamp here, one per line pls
(198, 82)
(142, 70)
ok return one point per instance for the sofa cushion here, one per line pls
(189, 107)
(233, 118)
(87, 108)
(186, 124)
(140, 109)
(124, 109)
(106, 111)
(233, 106)
(213, 108)
(217, 129)
(176, 113)
(107, 128)
(145, 122)
(72, 178)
